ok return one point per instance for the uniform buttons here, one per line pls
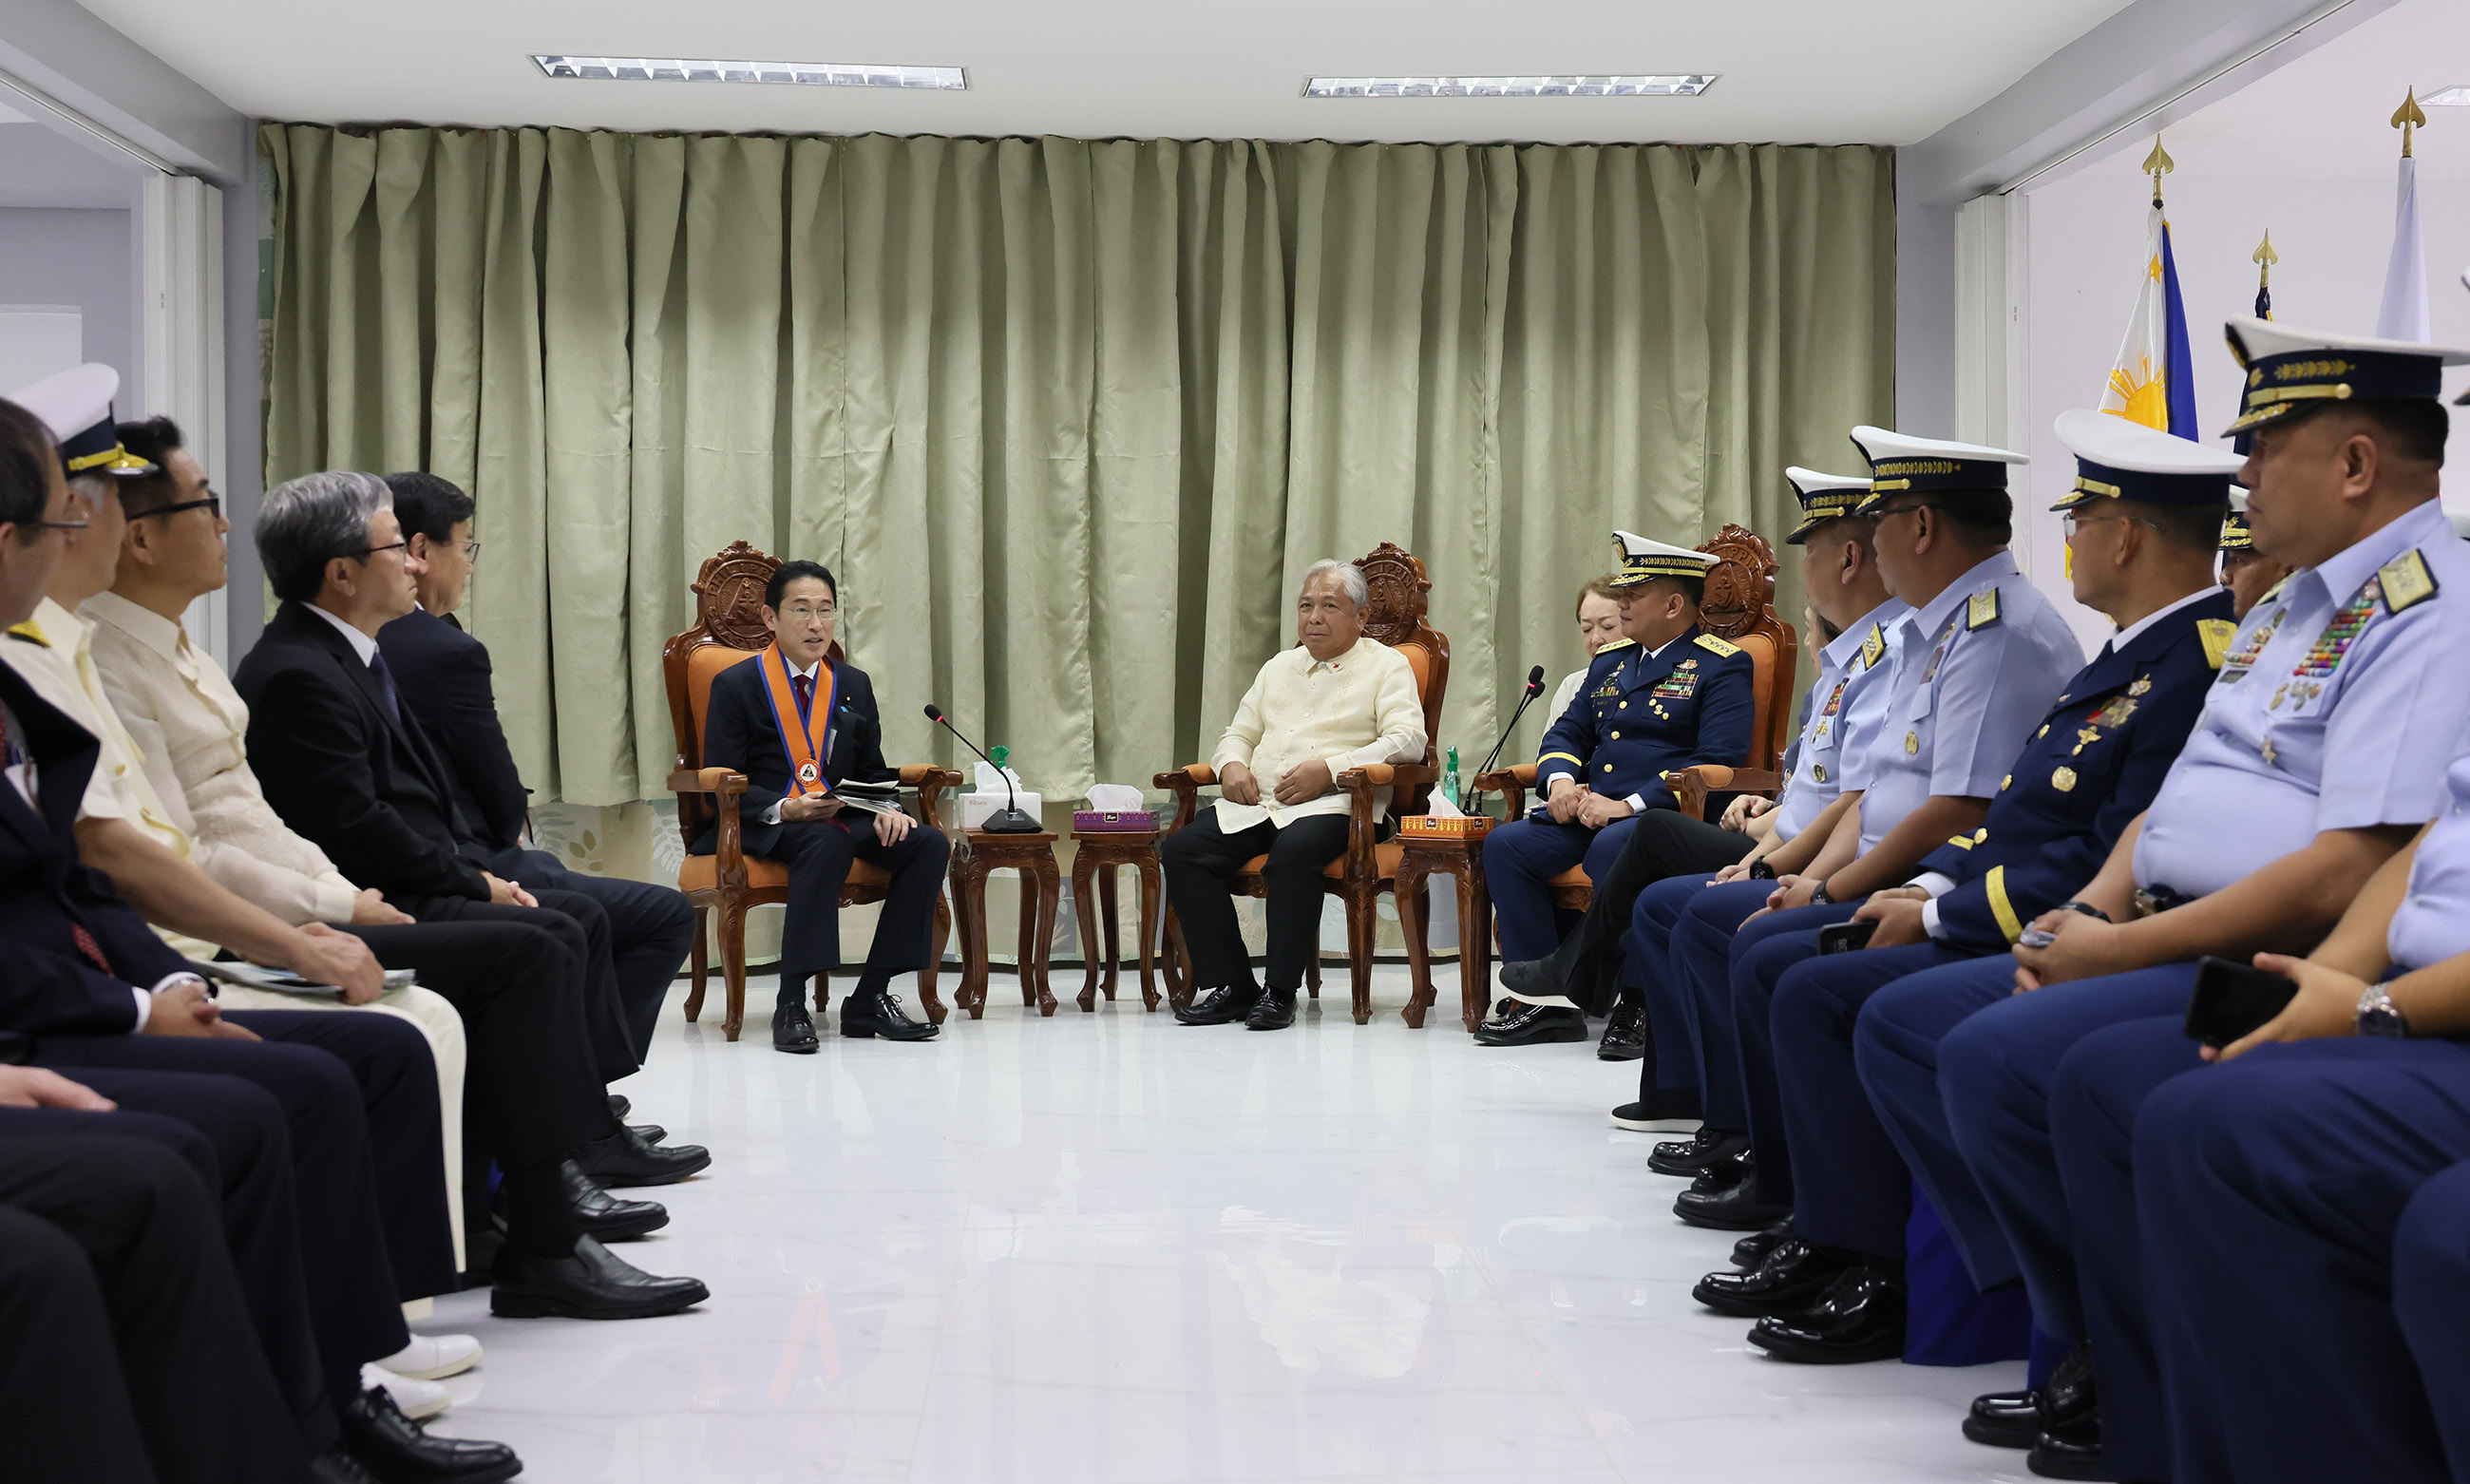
(1616, 737)
(1608, 767)
(1625, 706)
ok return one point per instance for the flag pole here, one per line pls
(2407, 117)
(2264, 258)
(2158, 164)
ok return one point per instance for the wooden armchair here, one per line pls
(1369, 866)
(729, 627)
(1740, 605)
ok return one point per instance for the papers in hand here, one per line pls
(282, 981)
(869, 798)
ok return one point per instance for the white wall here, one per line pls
(82, 258)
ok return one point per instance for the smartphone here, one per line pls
(2232, 999)
(1845, 936)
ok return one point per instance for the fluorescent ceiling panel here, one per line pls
(1670, 84)
(697, 69)
(2455, 97)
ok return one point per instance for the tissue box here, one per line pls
(1433, 826)
(975, 807)
(1104, 821)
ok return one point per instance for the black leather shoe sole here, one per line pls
(2019, 1432)
(1609, 1050)
(627, 1171)
(869, 1030)
(1269, 1015)
(1739, 1218)
(1226, 1012)
(629, 1226)
(520, 1304)
(1566, 1025)
(1853, 1350)
(2066, 1463)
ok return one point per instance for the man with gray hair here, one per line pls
(1336, 701)
(345, 763)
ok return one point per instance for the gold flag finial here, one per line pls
(2264, 258)
(2157, 164)
(2407, 117)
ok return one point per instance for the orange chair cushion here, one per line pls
(702, 873)
(1575, 877)
(702, 666)
(1420, 660)
(1384, 858)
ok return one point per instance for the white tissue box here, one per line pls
(976, 807)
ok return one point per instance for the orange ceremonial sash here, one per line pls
(803, 735)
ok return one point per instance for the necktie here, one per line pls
(805, 687)
(386, 683)
(8, 746)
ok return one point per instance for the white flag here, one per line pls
(2404, 316)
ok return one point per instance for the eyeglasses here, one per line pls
(70, 526)
(799, 613)
(212, 504)
(471, 551)
(2069, 521)
(366, 552)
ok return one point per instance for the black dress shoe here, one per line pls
(1533, 1024)
(1861, 1318)
(1751, 1250)
(793, 1031)
(1795, 1275)
(1223, 1005)
(649, 1133)
(593, 1282)
(1725, 1173)
(620, 1106)
(1624, 1035)
(874, 1012)
(394, 1449)
(1275, 1010)
(604, 1215)
(2018, 1419)
(2070, 1449)
(1731, 1208)
(1531, 976)
(1691, 1156)
(622, 1160)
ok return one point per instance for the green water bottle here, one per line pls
(1450, 780)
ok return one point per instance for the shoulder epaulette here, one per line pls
(31, 631)
(2407, 580)
(1874, 647)
(2217, 633)
(1618, 643)
(1724, 647)
(2274, 591)
(1983, 610)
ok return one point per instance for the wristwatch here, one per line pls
(1761, 870)
(2086, 907)
(1818, 894)
(2379, 1015)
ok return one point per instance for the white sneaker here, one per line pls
(417, 1397)
(435, 1356)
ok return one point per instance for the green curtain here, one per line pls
(1068, 418)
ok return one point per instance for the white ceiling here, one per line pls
(1887, 72)
(2327, 114)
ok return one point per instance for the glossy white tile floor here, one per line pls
(1108, 1248)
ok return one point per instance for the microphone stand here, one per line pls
(1534, 688)
(1010, 820)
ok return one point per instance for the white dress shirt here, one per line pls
(1355, 710)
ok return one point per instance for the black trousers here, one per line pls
(126, 1353)
(580, 929)
(818, 853)
(339, 1252)
(1198, 860)
(651, 928)
(1664, 844)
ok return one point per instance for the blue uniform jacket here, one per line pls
(48, 986)
(2094, 764)
(1639, 717)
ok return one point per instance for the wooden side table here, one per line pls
(1462, 858)
(1033, 857)
(1100, 853)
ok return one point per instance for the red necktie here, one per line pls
(805, 687)
(90, 948)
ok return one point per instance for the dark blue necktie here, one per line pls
(386, 683)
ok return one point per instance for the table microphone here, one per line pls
(1534, 688)
(1008, 820)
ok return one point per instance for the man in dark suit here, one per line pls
(341, 766)
(797, 722)
(83, 977)
(124, 1350)
(443, 675)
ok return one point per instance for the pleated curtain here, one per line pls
(1067, 418)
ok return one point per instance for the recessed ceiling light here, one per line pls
(2457, 96)
(697, 69)
(1670, 84)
